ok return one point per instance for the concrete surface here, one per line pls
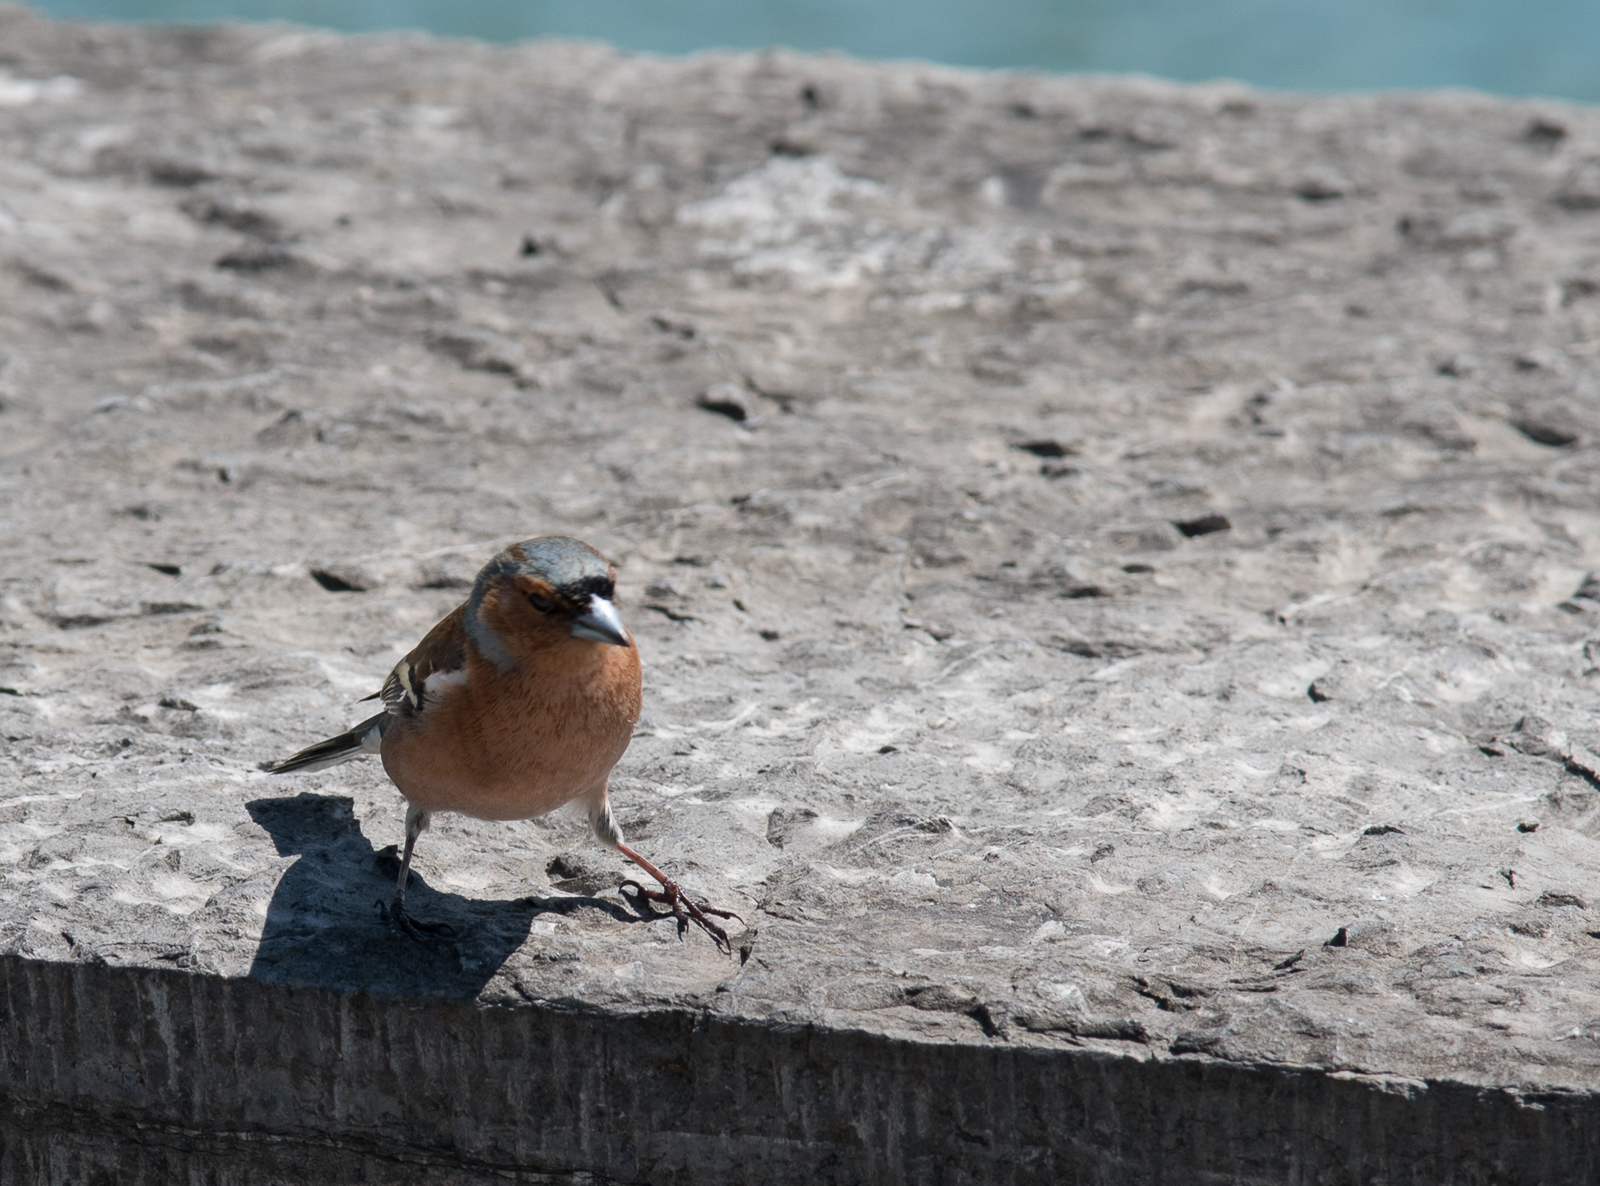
(1111, 562)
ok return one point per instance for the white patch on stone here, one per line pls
(1101, 886)
(24, 92)
(834, 829)
(849, 876)
(1067, 994)
(775, 202)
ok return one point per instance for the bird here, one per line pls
(519, 701)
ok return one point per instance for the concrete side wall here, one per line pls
(137, 1076)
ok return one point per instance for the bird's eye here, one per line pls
(540, 603)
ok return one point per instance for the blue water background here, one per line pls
(1514, 47)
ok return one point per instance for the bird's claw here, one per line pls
(422, 932)
(686, 910)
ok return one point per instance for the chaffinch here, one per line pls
(519, 701)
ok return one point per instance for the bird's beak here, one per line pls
(601, 623)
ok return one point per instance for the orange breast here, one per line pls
(522, 744)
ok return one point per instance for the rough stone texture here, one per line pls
(1110, 561)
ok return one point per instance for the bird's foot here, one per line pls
(423, 932)
(686, 910)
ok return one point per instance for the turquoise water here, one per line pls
(1515, 47)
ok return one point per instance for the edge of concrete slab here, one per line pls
(139, 1075)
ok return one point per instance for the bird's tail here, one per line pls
(363, 739)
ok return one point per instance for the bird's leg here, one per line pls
(671, 894)
(416, 824)
(684, 908)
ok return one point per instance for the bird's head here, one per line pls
(541, 594)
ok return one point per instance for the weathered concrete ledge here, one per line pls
(1112, 562)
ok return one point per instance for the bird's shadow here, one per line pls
(327, 922)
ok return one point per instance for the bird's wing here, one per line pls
(438, 662)
(441, 657)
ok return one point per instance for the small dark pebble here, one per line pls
(180, 174)
(1045, 448)
(261, 259)
(334, 584)
(1316, 189)
(1545, 434)
(727, 399)
(1204, 525)
(1545, 131)
(790, 146)
(1574, 290)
